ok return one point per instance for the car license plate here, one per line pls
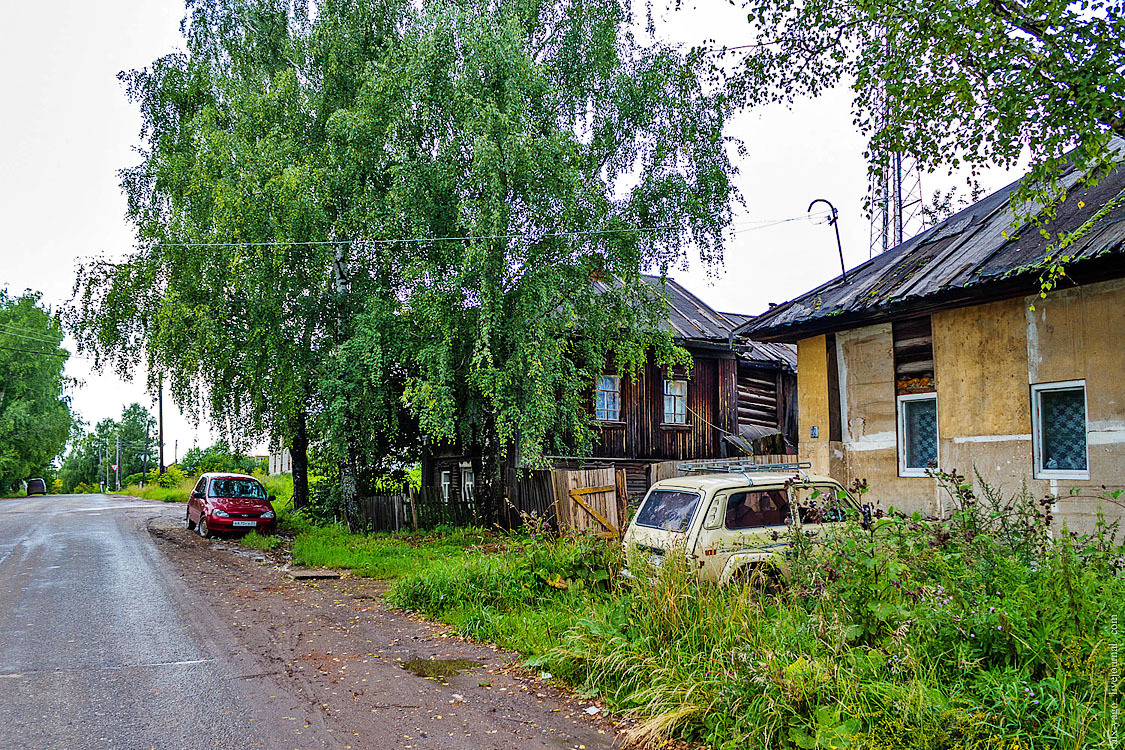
(244, 523)
(656, 560)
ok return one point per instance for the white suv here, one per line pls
(737, 523)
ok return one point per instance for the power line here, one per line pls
(29, 338)
(28, 351)
(462, 238)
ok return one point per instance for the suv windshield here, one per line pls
(230, 487)
(670, 510)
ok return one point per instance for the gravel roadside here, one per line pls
(336, 644)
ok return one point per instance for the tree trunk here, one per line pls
(299, 456)
(491, 500)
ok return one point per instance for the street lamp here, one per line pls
(833, 220)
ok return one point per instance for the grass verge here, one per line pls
(955, 634)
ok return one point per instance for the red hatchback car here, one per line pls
(229, 503)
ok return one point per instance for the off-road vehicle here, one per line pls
(735, 525)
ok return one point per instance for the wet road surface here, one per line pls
(102, 647)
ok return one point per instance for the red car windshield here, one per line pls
(240, 488)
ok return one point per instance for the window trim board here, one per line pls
(903, 470)
(1038, 472)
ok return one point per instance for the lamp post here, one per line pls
(834, 221)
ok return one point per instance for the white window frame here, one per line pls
(446, 485)
(665, 394)
(598, 390)
(1037, 430)
(468, 482)
(903, 469)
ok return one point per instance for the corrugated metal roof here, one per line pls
(691, 319)
(963, 258)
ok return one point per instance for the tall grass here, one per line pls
(977, 631)
(378, 555)
(913, 634)
(177, 493)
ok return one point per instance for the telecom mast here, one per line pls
(896, 195)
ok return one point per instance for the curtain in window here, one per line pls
(920, 418)
(1063, 429)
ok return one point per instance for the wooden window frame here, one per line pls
(673, 422)
(616, 418)
(1037, 430)
(903, 469)
(468, 482)
(446, 477)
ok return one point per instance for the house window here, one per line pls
(608, 405)
(918, 434)
(468, 484)
(1058, 421)
(675, 401)
(446, 485)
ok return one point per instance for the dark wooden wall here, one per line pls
(712, 400)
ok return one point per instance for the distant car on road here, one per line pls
(229, 503)
(36, 486)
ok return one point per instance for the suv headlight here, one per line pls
(220, 513)
(268, 514)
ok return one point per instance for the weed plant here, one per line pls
(979, 630)
(260, 541)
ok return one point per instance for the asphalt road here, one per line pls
(101, 646)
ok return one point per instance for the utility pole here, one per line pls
(101, 464)
(160, 417)
(175, 451)
(117, 465)
(144, 456)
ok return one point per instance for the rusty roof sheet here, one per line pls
(972, 255)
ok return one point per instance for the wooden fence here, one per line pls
(584, 500)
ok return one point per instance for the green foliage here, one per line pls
(91, 454)
(552, 144)
(219, 457)
(956, 84)
(35, 416)
(381, 555)
(172, 487)
(260, 541)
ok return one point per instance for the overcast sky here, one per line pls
(67, 128)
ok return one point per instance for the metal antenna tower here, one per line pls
(896, 194)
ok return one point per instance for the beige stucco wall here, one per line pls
(867, 406)
(812, 403)
(986, 357)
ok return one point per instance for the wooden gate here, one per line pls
(591, 501)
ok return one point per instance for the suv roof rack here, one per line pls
(740, 467)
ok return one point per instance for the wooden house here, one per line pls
(941, 352)
(739, 398)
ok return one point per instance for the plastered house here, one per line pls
(942, 352)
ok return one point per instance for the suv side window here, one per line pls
(746, 510)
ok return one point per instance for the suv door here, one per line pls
(753, 528)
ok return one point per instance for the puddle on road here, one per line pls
(439, 669)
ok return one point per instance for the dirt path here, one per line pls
(336, 644)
